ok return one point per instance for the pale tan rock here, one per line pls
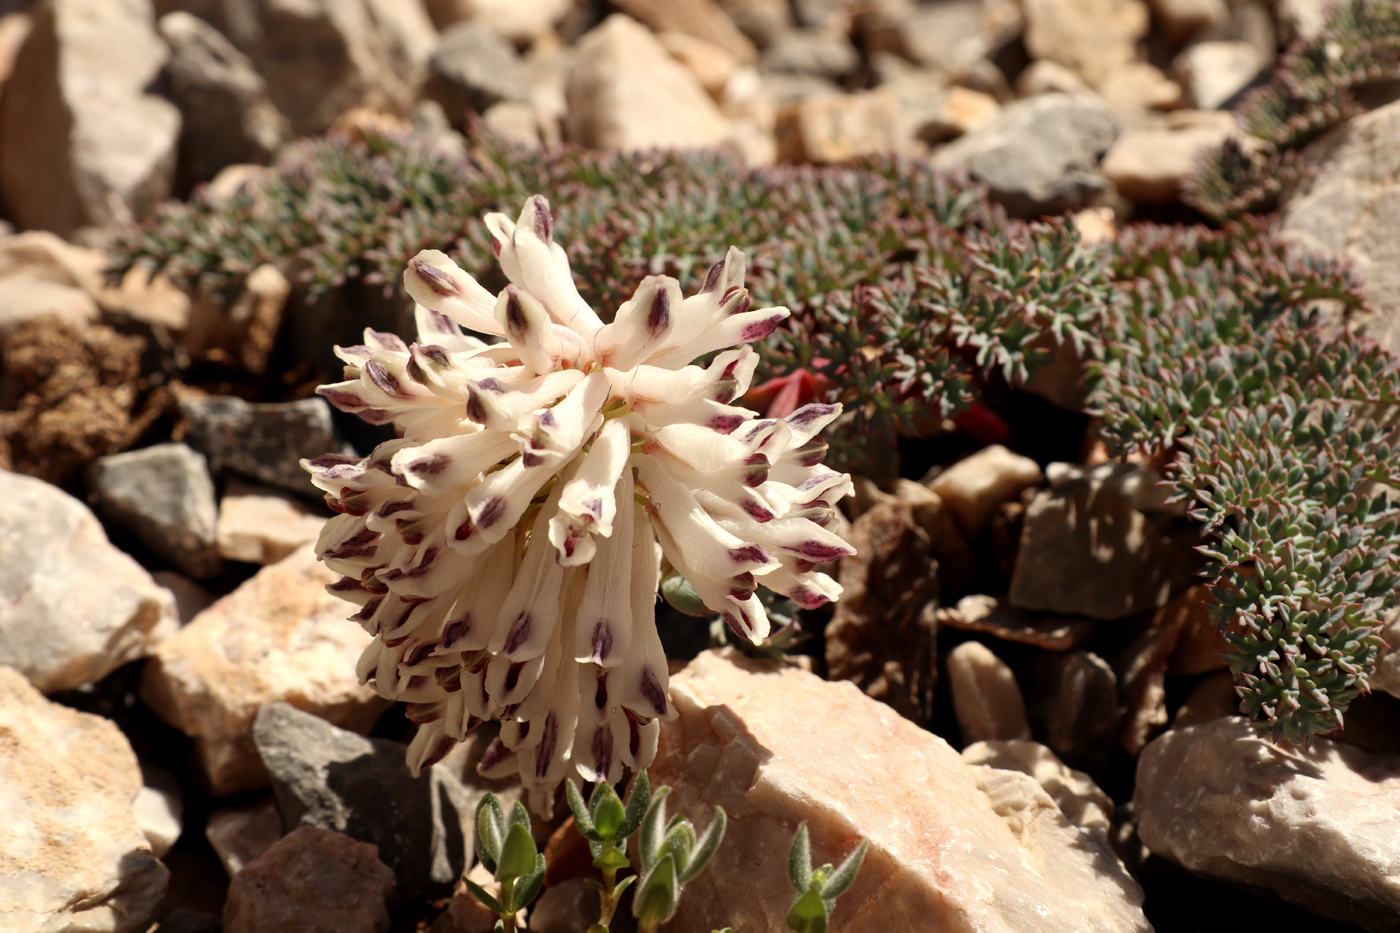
(1211, 73)
(190, 598)
(713, 64)
(626, 92)
(1301, 20)
(1134, 86)
(515, 121)
(13, 28)
(520, 21)
(1182, 19)
(245, 329)
(957, 112)
(157, 813)
(838, 127)
(1087, 36)
(1097, 226)
(280, 636)
(1047, 77)
(260, 525)
(1148, 164)
(25, 296)
(1074, 792)
(763, 21)
(703, 19)
(150, 299)
(233, 179)
(986, 698)
(1319, 826)
(73, 608)
(74, 857)
(975, 486)
(243, 832)
(1213, 698)
(951, 846)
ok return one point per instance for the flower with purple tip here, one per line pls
(505, 550)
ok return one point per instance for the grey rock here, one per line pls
(1212, 73)
(1039, 155)
(813, 52)
(226, 115)
(789, 88)
(86, 145)
(474, 68)
(327, 777)
(263, 441)
(1074, 706)
(73, 608)
(164, 495)
(1317, 825)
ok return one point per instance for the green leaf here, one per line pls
(518, 854)
(800, 859)
(527, 887)
(490, 831)
(480, 893)
(613, 859)
(657, 895)
(654, 828)
(704, 849)
(808, 915)
(582, 821)
(677, 591)
(839, 880)
(609, 816)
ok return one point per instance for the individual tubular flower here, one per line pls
(506, 549)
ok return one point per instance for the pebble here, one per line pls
(263, 441)
(973, 487)
(1089, 37)
(986, 697)
(260, 525)
(1212, 73)
(834, 128)
(1074, 792)
(1148, 164)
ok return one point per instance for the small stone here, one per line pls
(313, 880)
(1148, 164)
(474, 68)
(74, 857)
(226, 115)
(466, 914)
(163, 495)
(327, 777)
(813, 52)
(882, 636)
(986, 698)
(958, 567)
(515, 122)
(1301, 20)
(157, 813)
(1087, 36)
(263, 441)
(1097, 226)
(950, 37)
(259, 525)
(14, 26)
(244, 330)
(713, 65)
(1039, 155)
(87, 124)
(519, 22)
(763, 21)
(1319, 825)
(25, 296)
(279, 636)
(974, 486)
(239, 834)
(1047, 77)
(626, 92)
(820, 130)
(1212, 73)
(703, 19)
(73, 608)
(957, 112)
(1074, 792)
(981, 613)
(1074, 706)
(784, 89)
(775, 746)
(1182, 19)
(568, 907)
(1131, 87)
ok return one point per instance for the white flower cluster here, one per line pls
(506, 549)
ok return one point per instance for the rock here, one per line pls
(1182, 19)
(157, 813)
(882, 635)
(163, 495)
(957, 112)
(626, 92)
(1086, 549)
(1097, 226)
(263, 441)
(958, 568)
(703, 19)
(1387, 675)
(1212, 698)
(243, 331)
(25, 296)
(950, 844)
(1074, 706)
(813, 52)
(1047, 77)
(763, 21)
(279, 636)
(73, 608)
(327, 777)
(87, 123)
(783, 89)
(313, 880)
(1212, 73)
(466, 914)
(714, 66)
(1348, 207)
(1039, 155)
(1200, 644)
(835, 128)
(14, 26)
(986, 698)
(982, 613)
(569, 907)
(1301, 20)
(949, 37)
(974, 486)
(1317, 825)
(239, 834)
(515, 122)
(1074, 792)
(1131, 87)
(74, 857)
(259, 525)
(518, 21)
(1087, 36)
(226, 115)
(474, 68)
(190, 598)
(1148, 164)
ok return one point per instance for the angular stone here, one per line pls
(239, 834)
(264, 441)
(259, 525)
(1039, 156)
(1132, 87)
(763, 21)
(986, 698)
(956, 112)
(280, 636)
(714, 66)
(813, 52)
(466, 914)
(1047, 77)
(1074, 706)
(951, 846)
(163, 495)
(518, 21)
(1318, 825)
(974, 486)
(982, 613)
(1212, 73)
(226, 115)
(25, 296)
(703, 19)
(1074, 792)
(242, 331)
(835, 128)
(1087, 36)
(327, 777)
(312, 879)
(87, 123)
(73, 608)
(1148, 164)
(157, 813)
(474, 68)
(626, 92)
(74, 857)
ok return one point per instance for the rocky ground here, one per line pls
(184, 743)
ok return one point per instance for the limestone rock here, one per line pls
(74, 857)
(1087, 36)
(713, 65)
(241, 833)
(86, 145)
(260, 525)
(1131, 87)
(164, 495)
(1074, 792)
(25, 296)
(1349, 208)
(950, 37)
(280, 636)
(974, 486)
(568, 907)
(1148, 164)
(956, 112)
(1319, 826)
(1047, 77)
(986, 698)
(626, 92)
(72, 607)
(474, 68)
(518, 21)
(972, 848)
(14, 26)
(1039, 155)
(263, 441)
(703, 19)
(813, 52)
(838, 127)
(226, 115)
(1212, 73)
(313, 880)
